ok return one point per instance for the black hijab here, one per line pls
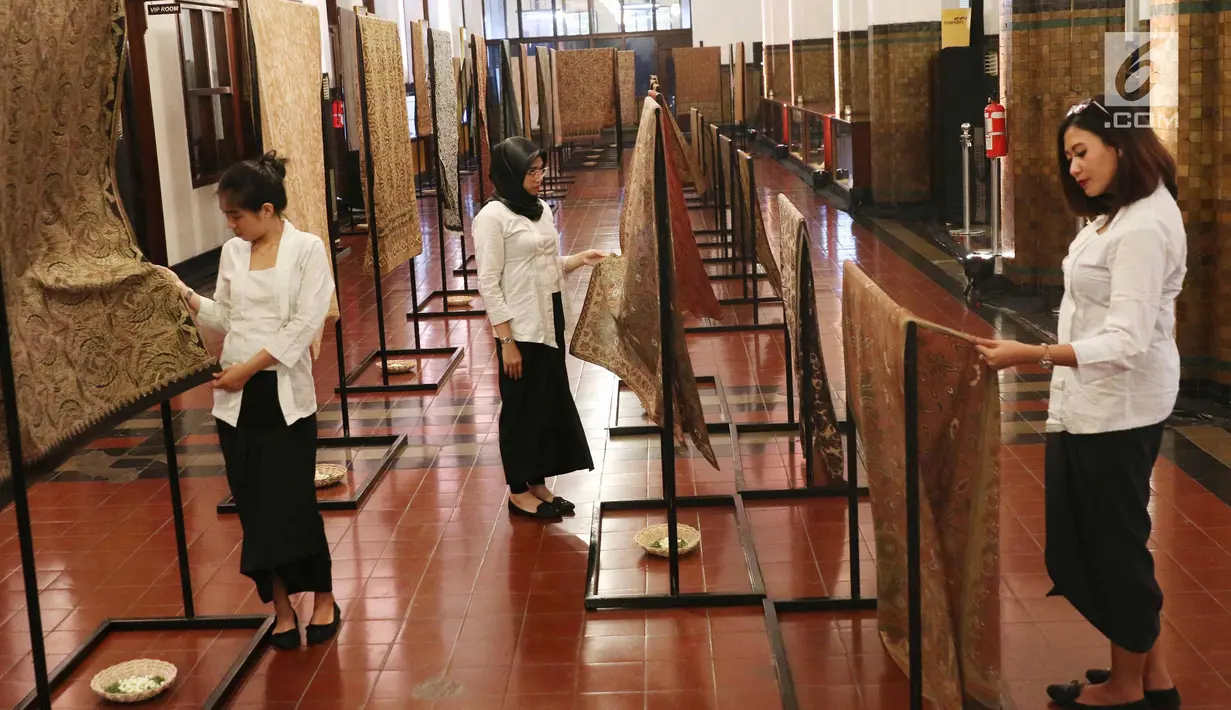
(511, 160)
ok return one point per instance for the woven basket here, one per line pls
(401, 367)
(329, 474)
(459, 301)
(129, 669)
(689, 539)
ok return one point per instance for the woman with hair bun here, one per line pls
(273, 294)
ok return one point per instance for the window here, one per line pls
(211, 89)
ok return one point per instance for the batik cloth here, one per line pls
(555, 98)
(958, 416)
(799, 309)
(740, 79)
(682, 153)
(478, 48)
(286, 37)
(755, 220)
(586, 88)
(698, 81)
(547, 120)
(348, 70)
(628, 86)
(445, 122)
(528, 98)
(424, 123)
(393, 165)
(510, 95)
(95, 331)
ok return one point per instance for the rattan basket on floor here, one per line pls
(402, 367)
(689, 539)
(130, 669)
(329, 474)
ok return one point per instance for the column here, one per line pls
(851, 23)
(812, 34)
(776, 53)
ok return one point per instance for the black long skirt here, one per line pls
(271, 468)
(540, 430)
(1098, 526)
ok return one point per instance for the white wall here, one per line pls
(725, 22)
(850, 15)
(474, 16)
(895, 12)
(811, 19)
(194, 223)
(776, 22)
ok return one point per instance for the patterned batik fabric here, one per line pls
(510, 97)
(398, 233)
(683, 154)
(958, 417)
(555, 98)
(754, 219)
(445, 122)
(585, 82)
(697, 79)
(547, 119)
(286, 37)
(349, 73)
(628, 86)
(740, 79)
(95, 331)
(799, 310)
(479, 50)
(424, 123)
(529, 97)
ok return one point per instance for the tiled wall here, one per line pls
(900, 83)
(777, 62)
(853, 70)
(814, 77)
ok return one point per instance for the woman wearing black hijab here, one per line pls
(521, 277)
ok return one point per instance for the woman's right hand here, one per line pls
(512, 360)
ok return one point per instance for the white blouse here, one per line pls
(1118, 313)
(281, 310)
(520, 267)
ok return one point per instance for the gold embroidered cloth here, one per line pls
(959, 440)
(94, 328)
(286, 37)
(628, 86)
(741, 81)
(424, 125)
(754, 218)
(697, 79)
(585, 83)
(397, 209)
(445, 122)
(799, 309)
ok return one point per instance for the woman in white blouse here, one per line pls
(273, 294)
(1115, 382)
(521, 279)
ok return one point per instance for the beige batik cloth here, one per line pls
(397, 209)
(685, 156)
(585, 84)
(799, 310)
(286, 37)
(424, 125)
(753, 216)
(95, 330)
(698, 81)
(445, 121)
(628, 86)
(959, 491)
(348, 70)
(740, 79)
(555, 97)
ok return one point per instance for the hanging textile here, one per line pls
(628, 86)
(510, 93)
(799, 309)
(740, 77)
(445, 122)
(478, 50)
(349, 72)
(95, 331)
(685, 157)
(753, 218)
(424, 125)
(555, 97)
(527, 98)
(958, 412)
(546, 119)
(698, 79)
(585, 81)
(393, 163)
(286, 39)
(619, 328)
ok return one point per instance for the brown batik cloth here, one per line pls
(697, 79)
(547, 119)
(752, 203)
(685, 156)
(959, 495)
(95, 329)
(479, 47)
(445, 122)
(527, 98)
(799, 309)
(628, 86)
(740, 78)
(393, 164)
(424, 125)
(585, 92)
(287, 41)
(348, 70)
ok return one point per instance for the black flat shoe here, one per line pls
(286, 640)
(1069, 697)
(565, 507)
(1168, 699)
(321, 633)
(545, 511)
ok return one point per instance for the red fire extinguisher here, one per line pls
(995, 130)
(337, 114)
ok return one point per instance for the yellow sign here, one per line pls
(955, 28)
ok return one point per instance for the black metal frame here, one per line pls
(445, 292)
(383, 352)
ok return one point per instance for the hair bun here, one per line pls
(270, 161)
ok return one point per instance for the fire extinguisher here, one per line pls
(995, 131)
(337, 114)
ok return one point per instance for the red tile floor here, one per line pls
(447, 603)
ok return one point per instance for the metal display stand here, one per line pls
(478, 133)
(383, 353)
(445, 293)
(394, 444)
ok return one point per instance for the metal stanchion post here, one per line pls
(966, 232)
